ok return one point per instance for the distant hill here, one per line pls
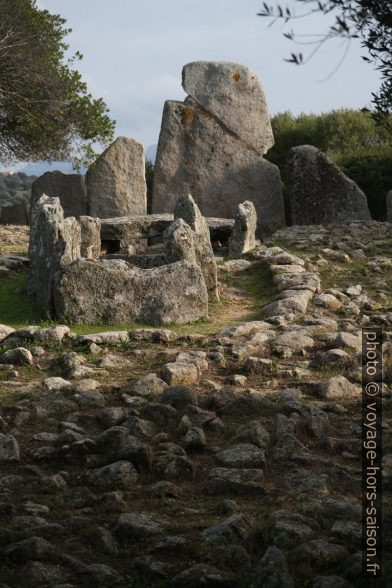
(15, 188)
(37, 169)
(151, 153)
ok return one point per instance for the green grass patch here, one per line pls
(18, 310)
(257, 282)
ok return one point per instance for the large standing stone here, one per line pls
(69, 188)
(389, 206)
(113, 291)
(91, 237)
(187, 209)
(242, 238)
(14, 215)
(233, 94)
(116, 182)
(54, 243)
(206, 147)
(319, 192)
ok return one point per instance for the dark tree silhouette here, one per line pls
(46, 112)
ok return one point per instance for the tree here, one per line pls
(368, 20)
(351, 138)
(46, 112)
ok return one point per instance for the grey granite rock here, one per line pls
(319, 192)
(91, 237)
(187, 209)
(197, 154)
(233, 94)
(116, 183)
(54, 243)
(69, 188)
(173, 293)
(242, 239)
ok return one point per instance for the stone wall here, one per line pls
(70, 283)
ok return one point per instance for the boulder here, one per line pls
(198, 153)
(114, 292)
(338, 388)
(116, 182)
(91, 237)
(187, 210)
(272, 570)
(54, 243)
(137, 526)
(242, 482)
(17, 356)
(118, 475)
(70, 189)
(319, 192)
(242, 455)
(17, 214)
(231, 529)
(242, 238)
(233, 94)
(9, 448)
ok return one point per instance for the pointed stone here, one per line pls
(319, 192)
(116, 182)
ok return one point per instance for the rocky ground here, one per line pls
(232, 459)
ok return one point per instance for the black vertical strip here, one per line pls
(372, 453)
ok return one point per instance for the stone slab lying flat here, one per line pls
(153, 225)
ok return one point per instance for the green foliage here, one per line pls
(15, 188)
(16, 309)
(46, 112)
(368, 20)
(351, 138)
(372, 170)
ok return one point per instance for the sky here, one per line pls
(134, 52)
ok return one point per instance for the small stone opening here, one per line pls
(220, 238)
(108, 247)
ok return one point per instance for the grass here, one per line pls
(18, 310)
(257, 282)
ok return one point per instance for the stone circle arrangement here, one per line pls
(96, 256)
(185, 453)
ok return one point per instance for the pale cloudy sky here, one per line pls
(134, 53)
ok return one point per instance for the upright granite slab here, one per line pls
(91, 237)
(116, 182)
(187, 209)
(70, 189)
(319, 192)
(54, 243)
(242, 238)
(207, 148)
